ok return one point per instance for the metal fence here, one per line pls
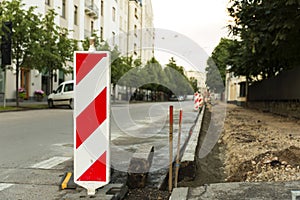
(284, 87)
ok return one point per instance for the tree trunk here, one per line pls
(114, 92)
(247, 85)
(17, 82)
(50, 80)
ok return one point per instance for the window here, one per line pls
(75, 15)
(102, 8)
(114, 14)
(135, 30)
(59, 89)
(101, 33)
(135, 47)
(242, 89)
(92, 27)
(61, 76)
(63, 9)
(114, 38)
(136, 13)
(47, 2)
(68, 87)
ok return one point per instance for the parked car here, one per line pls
(63, 95)
(181, 98)
(175, 98)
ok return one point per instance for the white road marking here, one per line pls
(4, 186)
(48, 164)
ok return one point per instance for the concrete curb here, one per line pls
(187, 169)
(195, 127)
(245, 190)
(179, 193)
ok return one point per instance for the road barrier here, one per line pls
(91, 120)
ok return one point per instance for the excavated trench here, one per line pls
(209, 169)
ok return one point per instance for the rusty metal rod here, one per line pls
(178, 149)
(170, 148)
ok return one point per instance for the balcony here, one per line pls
(91, 9)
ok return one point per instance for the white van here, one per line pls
(63, 95)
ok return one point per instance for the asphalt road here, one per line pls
(30, 136)
(36, 146)
(137, 125)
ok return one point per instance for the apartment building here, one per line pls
(112, 20)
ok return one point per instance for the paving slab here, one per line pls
(245, 190)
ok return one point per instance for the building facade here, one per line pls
(112, 20)
(235, 89)
(200, 77)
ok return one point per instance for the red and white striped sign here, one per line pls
(91, 120)
(198, 101)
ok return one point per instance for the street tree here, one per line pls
(55, 49)
(194, 83)
(226, 53)
(213, 77)
(151, 73)
(269, 35)
(178, 83)
(25, 33)
(120, 65)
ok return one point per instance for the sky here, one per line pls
(202, 22)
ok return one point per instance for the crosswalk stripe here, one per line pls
(48, 164)
(4, 186)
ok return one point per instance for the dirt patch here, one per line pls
(253, 146)
(260, 146)
(270, 166)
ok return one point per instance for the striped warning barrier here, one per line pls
(198, 101)
(91, 120)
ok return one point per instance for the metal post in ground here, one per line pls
(178, 148)
(170, 148)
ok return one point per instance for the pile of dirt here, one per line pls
(270, 166)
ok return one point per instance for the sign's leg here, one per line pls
(91, 191)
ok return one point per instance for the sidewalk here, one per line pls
(239, 191)
(24, 105)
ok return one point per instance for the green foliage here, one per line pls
(213, 77)
(55, 49)
(169, 80)
(194, 83)
(269, 33)
(119, 64)
(225, 54)
(177, 82)
(25, 27)
(24, 37)
(37, 43)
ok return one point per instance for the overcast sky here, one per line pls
(204, 22)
